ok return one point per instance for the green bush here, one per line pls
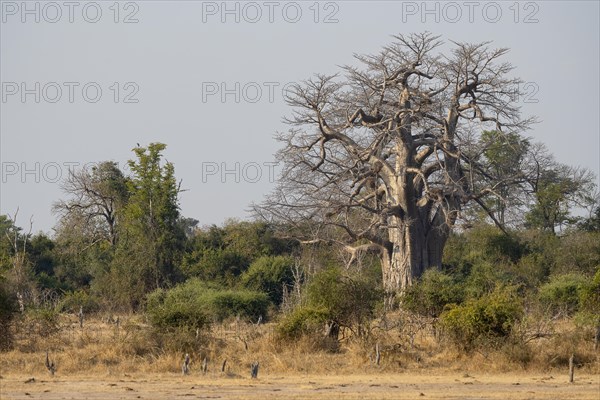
(342, 300)
(589, 303)
(485, 242)
(195, 304)
(219, 265)
(229, 303)
(175, 310)
(432, 293)
(563, 292)
(43, 321)
(8, 310)
(302, 321)
(578, 252)
(268, 274)
(71, 302)
(482, 321)
(484, 277)
(590, 295)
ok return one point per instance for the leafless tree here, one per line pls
(384, 157)
(96, 194)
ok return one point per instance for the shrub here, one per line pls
(229, 303)
(194, 304)
(578, 252)
(484, 277)
(302, 321)
(43, 321)
(214, 264)
(8, 309)
(589, 302)
(484, 321)
(80, 298)
(563, 292)
(432, 293)
(517, 351)
(487, 243)
(335, 298)
(175, 310)
(268, 274)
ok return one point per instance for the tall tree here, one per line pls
(505, 156)
(151, 234)
(388, 154)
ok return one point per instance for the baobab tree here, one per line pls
(384, 156)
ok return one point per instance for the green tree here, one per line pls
(223, 253)
(151, 236)
(592, 223)
(269, 274)
(556, 189)
(505, 154)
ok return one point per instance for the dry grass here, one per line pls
(101, 361)
(100, 348)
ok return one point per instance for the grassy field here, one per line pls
(104, 360)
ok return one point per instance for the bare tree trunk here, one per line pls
(411, 253)
(571, 368)
(377, 354)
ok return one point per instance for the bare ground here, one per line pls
(367, 386)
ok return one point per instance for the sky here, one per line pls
(84, 82)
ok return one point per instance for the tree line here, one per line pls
(408, 182)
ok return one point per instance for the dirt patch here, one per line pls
(396, 386)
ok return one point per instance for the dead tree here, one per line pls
(204, 365)
(50, 366)
(387, 157)
(185, 368)
(96, 194)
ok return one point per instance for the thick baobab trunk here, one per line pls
(413, 249)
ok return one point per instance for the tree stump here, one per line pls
(254, 370)
(80, 315)
(185, 368)
(50, 366)
(571, 368)
(223, 366)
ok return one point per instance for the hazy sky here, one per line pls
(86, 81)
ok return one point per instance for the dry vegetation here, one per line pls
(130, 359)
